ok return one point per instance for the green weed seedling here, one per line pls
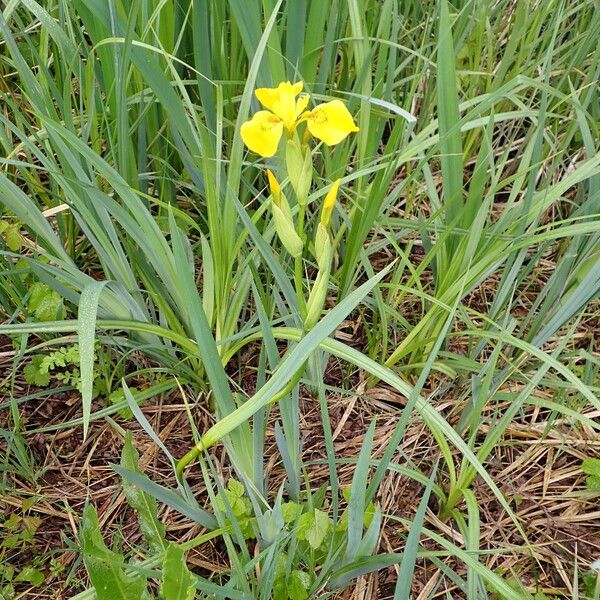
(60, 366)
(591, 582)
(17, 536)
(44, 303)
(10, 232)
(591, 467)
(112, 575)
(307, 538)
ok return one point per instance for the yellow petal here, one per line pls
(275, 187)
(281, 101)
(330, 122)
(262, 133)
(329, 202)
(332, 194)
(301, 104)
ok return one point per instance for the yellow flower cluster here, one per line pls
(330, 122)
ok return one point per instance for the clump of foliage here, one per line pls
(17, 538)
(429, 177)
(59, 366)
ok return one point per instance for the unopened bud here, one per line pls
(274, 187)
(316, 300)
(299, 167)
(284, 226)
(329, 203)
(322, 246)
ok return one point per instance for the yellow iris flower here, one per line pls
(330, 122)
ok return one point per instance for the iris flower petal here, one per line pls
(330, 122)
(281, 101)
(262, 133)
(301, 104)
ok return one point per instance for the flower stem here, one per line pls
(298, 263)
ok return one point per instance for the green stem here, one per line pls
(454, 496)
(298, 263)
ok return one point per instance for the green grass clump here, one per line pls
(464, 246)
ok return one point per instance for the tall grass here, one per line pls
(477, 151)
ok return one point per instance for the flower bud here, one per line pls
(329, 203)
(318, 294)
(322, 246)
(299, 168)
(274, 187)
(284, 226)
(317, 297)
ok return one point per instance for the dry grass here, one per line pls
(537, 466)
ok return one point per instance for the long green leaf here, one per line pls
(86, 326)
(411, 548)
(292, 362)
(144, 504)
(448, 116)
